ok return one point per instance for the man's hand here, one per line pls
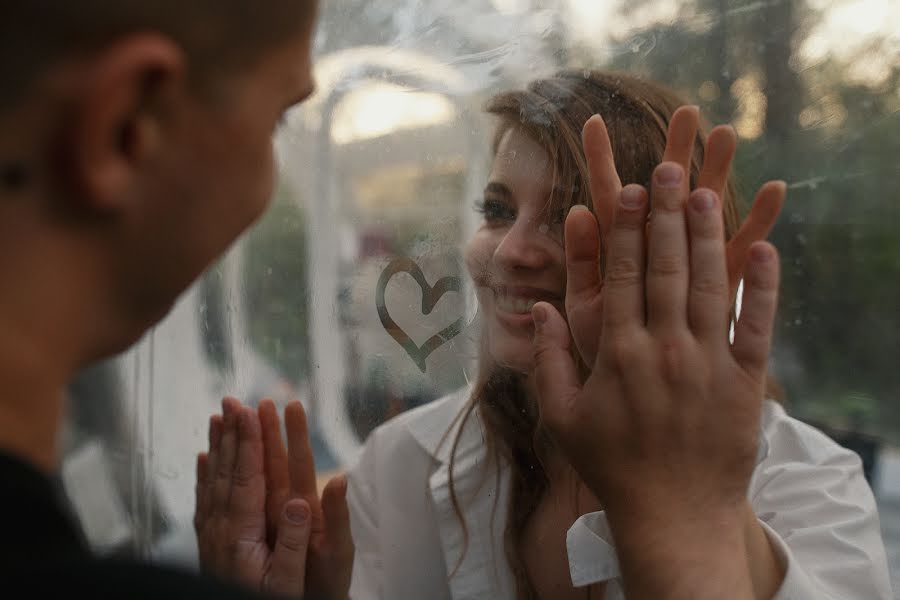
(664, 430)
(258, 516)
(290, 473)
(583, 297)
(230, 517)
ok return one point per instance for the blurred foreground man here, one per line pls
(135, 146)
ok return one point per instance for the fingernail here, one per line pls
(632, 197)
(539, 314)
(669, 175)
(761, 253)
(578, 207)
(297, 514)
(703, 200)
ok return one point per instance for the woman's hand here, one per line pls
(259, 518)
(582, 296)
(665, 428)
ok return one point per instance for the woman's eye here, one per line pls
(495, 210)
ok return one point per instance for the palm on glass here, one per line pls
(583, 293)
(259, 518)
(664, 429)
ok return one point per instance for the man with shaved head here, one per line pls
(135, 146)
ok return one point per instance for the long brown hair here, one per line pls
(553, 112)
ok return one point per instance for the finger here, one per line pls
(708, 296)
(623, 282)
(216, 428)
(717, 158)
(201, 498)
(583, 283)
(340, 540)
(753, 332)
(604, 179)
(759, 222)
(582, 240)
(681, 136)
(278, 481)
(301, 464)
(667, 250)
(555, 372)
(287, 573)
(247, 504)
(227, 456)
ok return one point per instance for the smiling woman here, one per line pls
(502, 499)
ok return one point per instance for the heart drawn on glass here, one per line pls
(430, 297)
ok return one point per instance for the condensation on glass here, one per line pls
(379, 173)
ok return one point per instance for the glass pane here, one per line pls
(352, 295)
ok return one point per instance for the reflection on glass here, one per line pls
(387, 160)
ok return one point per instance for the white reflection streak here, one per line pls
(814, 182)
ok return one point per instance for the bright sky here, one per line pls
(845, 27)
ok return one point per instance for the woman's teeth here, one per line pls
(521, 306)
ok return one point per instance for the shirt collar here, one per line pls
(436, 427)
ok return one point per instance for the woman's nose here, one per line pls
(523, 247)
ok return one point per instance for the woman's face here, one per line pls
(516, 257)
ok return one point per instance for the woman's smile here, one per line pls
(513, 304)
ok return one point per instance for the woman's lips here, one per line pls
(514, 303)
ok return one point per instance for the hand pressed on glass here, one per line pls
(664, 429)
(583, 298)
(259, 518)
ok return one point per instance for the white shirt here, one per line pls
(808, 493)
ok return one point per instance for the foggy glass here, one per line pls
(323, 299)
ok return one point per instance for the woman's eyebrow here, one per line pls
(495, 187)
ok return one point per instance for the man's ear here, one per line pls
(116, 123)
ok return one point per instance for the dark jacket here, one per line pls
(43, 553)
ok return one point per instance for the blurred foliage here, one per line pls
(836, 140)
(276, 287)
(216, 334)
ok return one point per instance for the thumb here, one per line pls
(556, 375)
(287, 572)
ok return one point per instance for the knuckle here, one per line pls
(623, 272)
(292, 541)
(223, 471)
(666, 264)
(544, 351)
(755, 328)
(627, 220)
(244, 477)
(709, 285)
(682, 361)
(623, 351)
